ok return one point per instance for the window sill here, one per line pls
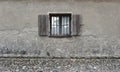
(67, 36)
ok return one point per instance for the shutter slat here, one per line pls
(43, 22)
(47, 25)
(75, 25)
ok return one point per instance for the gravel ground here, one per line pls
(58, 65)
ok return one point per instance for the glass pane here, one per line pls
(55, 26)
(65, 25)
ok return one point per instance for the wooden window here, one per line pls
(43, 21)
(76, 25)
(59, 25)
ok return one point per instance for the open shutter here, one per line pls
(75, 25)
(43, 22)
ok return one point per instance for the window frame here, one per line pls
(60, 15)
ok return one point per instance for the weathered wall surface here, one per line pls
(100, 33)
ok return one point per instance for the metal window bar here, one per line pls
(65, 25)
(60, 25)
(55, 25)
(68, 31)
(52, 30)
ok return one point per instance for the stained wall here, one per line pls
(99, 35)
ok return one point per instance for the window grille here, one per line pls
(60, 24)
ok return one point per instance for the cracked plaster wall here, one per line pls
(100, 35)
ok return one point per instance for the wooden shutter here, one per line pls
(75, 25)
(43, 21)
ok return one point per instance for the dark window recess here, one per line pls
(59, 25)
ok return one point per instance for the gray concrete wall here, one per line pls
(100, 33)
